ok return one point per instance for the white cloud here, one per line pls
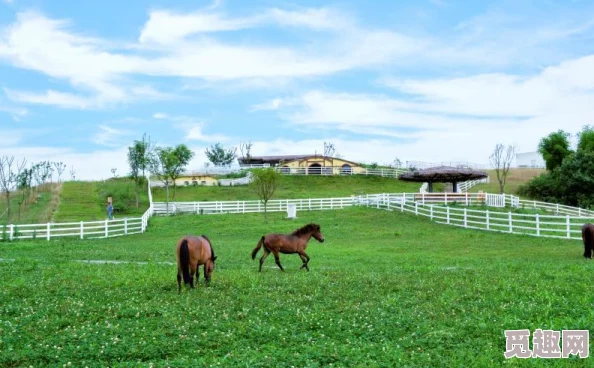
(108, 136)
(159, 116)
(15, 112)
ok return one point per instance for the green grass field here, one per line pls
(385, 289)
(295, 187)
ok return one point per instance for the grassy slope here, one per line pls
(38, 208)
(515, 178)
(80, 201)
(296, 187)
(385, 289)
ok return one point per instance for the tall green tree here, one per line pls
(140, 155)
(264, 183)
(219, 156)
(586, 140)
(555, 148)
(169, 164)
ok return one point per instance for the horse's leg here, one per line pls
(178, 281)
(206, 275)
(277, 259)
(197, 274)
(266, 253)
(303, 255)
(192, 272)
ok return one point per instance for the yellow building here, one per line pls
(307, 164)
(196, 179)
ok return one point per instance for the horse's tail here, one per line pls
(184, 260)
(588, 238)
(213, 257)
(257, 248)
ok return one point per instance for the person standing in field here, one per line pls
(109, 210)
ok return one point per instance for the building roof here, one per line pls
(443, 174)
(288, 158)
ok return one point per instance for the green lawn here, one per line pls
(295, 187)
(385, 289)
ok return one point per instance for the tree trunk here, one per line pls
(167, 190)
(137, 184)
(8, 204)
(265, 213)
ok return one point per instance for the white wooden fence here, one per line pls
(566, 221)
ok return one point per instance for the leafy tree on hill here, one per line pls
(140, 155)
(554, 148)
(169, 164)
(220, 156)
(264, 183)
(501, 160)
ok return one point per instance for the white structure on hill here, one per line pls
(530, 159)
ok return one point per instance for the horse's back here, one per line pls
(199, 248)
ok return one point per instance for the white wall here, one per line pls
(529, 159)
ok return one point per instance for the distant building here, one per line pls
(306, 164)
(530, 159)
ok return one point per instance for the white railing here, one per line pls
(566, 223)
(278, 205)
(556, 226)
(465, 186)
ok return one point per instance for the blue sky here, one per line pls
(429, 80)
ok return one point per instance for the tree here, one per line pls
(264, 183)
(113, 172)
(554, 148)
(501, 160)
(8, 177)
(60, 167)
(245, 149)
(24, 182)
(140, 155)
(329, 149)
(586, 139)
(182, 156)
(170, 164)
(72, 173)
(219, 156)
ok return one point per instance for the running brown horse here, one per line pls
(588, 238)
(193, 252)
(296, 242)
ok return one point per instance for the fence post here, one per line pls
(388, 201)
(402, 202)
(423, 197)
(416, 208)
(465, 218)
(445, 198)
(309, 204)
(243, 207)
(557, 210)
(487, 218)
(431, 212)
(106, 227)
(567, 221)
(510, 221)
(579, 211)
(466, 194)
(11, 233)
(537, 225)
(126, 226)
(48, 232)
(448, 215)
(82, 229)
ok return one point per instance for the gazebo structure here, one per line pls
(443, 174)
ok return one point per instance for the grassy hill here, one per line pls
(85, 200)
(295, 187)
(35, 207)
(385, 289)
(515, 178)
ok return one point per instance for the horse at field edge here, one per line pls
(588, 238)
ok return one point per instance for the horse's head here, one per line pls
(316, 233)
(211, 264)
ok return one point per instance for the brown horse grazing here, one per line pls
(588, 238)
(192, 252)
(296, 242)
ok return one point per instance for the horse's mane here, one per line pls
(304, 230)
(212, 253)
